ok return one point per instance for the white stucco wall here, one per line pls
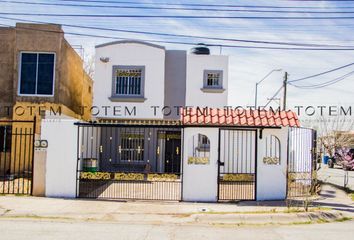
(200, 181)
(133, 54)
(61, 135)
(271, 179)
(196, 64)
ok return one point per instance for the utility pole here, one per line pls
(255, 97)
(285, 83)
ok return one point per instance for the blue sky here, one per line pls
(246, 66)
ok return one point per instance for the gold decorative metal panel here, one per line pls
(238, 177)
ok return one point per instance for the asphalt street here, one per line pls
(37, 230)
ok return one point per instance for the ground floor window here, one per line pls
(131, 148)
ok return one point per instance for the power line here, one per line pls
(176, 8)
(202, 5)
(189, 43)
(171, 16)
(190, 36)
(325, 84)
(318, 0)
(322, 73)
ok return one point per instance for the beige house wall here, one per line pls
(72, 90)
(73, 87)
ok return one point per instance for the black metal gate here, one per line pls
(237, 164)
(117, 161)
(16, 156)
(301, 162)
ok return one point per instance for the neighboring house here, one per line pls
(39, 72)
(155, 82)
(40, 68)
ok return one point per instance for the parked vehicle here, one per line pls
(343, 158)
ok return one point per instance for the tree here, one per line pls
(335, 134)
(89, 64)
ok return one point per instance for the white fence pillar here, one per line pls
(200, 179)
(271, 178)
(61, 135)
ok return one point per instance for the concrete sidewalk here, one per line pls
(336, 176)
(333, 205)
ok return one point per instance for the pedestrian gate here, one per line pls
(301, 162)
(237, 164)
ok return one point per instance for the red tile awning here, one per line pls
(239, 117)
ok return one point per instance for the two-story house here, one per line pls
(140, 146)
(140, 89)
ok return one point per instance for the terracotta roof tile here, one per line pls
(239, 117)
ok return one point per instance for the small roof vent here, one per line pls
(201, 49)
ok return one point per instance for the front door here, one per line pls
(173, 152)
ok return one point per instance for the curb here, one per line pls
(226, 219)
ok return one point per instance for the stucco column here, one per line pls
(200, 179)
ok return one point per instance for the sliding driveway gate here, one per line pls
(129, 161)
(237, 164)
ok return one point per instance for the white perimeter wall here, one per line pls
(61, 135)
(136, 55)
(196, 64)
(271, 179)
(200, 181)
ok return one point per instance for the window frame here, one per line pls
(132, 97)
(203, 147)
(205, 79)
(123, 140)
(20, 74)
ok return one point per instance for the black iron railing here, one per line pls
(16, 156)
(237, 164)
(118, 161)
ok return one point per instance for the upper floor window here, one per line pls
(37, 74)
(213, 79)
(128, 81)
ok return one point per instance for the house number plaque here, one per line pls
(198, 160)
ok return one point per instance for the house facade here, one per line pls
(151, 137)
(160, 152)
